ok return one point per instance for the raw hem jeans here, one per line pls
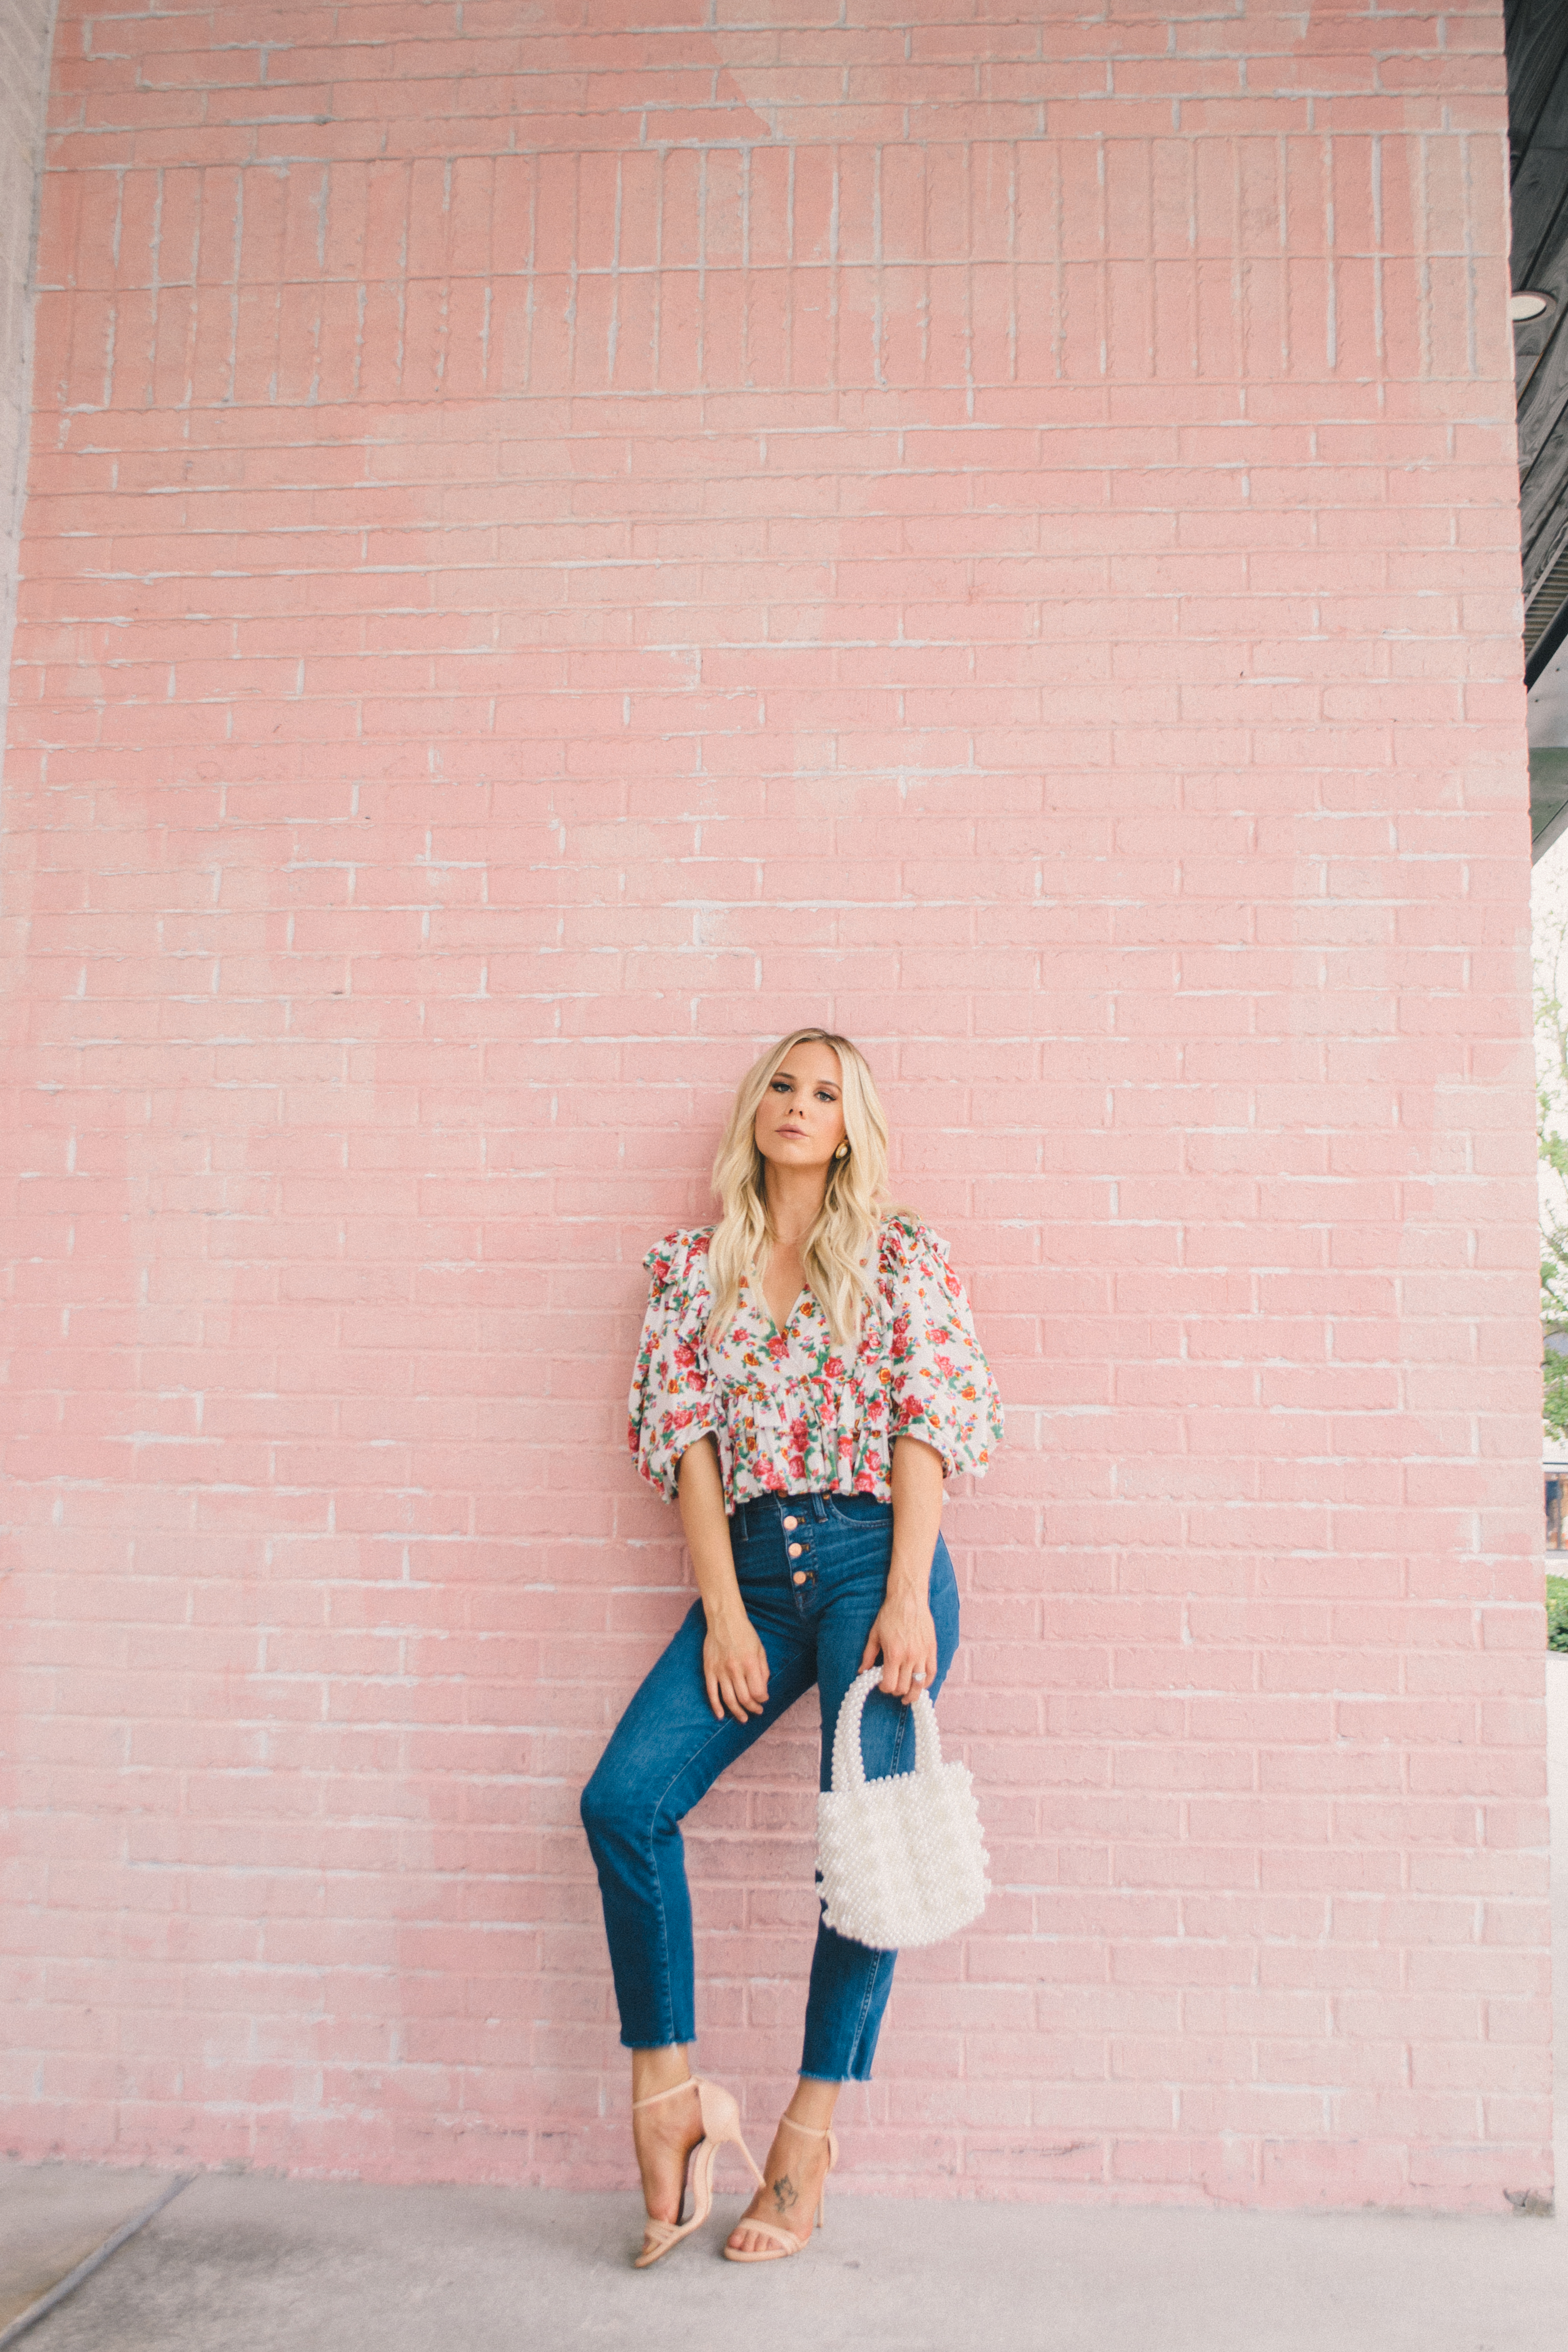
(812, 1613)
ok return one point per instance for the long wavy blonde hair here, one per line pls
(838, 1247)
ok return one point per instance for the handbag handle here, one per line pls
(849, 1763)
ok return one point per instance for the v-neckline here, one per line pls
(780, 1331)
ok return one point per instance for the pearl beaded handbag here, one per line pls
(902, 1861)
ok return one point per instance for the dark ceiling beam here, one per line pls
(1536, 34)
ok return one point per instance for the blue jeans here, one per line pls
(669, 1749)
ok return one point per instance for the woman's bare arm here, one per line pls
(734, 1663)
(904, 1635)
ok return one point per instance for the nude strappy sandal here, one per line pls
(721, 2122)
(788, 2243)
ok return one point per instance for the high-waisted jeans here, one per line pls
(811, 1614)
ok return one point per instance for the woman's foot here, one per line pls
(664, 2136)
(792, 2182)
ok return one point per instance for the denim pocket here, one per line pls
(863, 1511)
(751, 1554)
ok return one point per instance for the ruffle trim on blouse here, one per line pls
(675, 1400)
(942, 1390)
(919, 1372)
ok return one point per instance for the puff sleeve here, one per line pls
(941, 1389)
(675, 1398)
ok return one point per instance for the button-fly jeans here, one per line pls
(813, 1614)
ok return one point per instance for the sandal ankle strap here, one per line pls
(654, 2097)
(810, 2130)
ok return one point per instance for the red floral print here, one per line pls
(791, 1412)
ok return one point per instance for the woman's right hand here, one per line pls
(735, 1667)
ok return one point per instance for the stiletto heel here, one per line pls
(788, 2243)
(721, 2122)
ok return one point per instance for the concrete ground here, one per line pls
(243, 2264)
(240, 2262)
(54, 2216)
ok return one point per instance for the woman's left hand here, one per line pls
(904, 1638)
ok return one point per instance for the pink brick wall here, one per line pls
(555, 553)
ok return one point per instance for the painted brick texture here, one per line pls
(564, 540)
(24, 28)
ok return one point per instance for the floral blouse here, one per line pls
(791, 1412)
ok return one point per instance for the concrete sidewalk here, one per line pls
(54, 2216)
(241, 2263)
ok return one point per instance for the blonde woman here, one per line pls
(808, 1375)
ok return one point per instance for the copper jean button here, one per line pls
(800, 1576)
(795, 1551)
(792, 1523)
